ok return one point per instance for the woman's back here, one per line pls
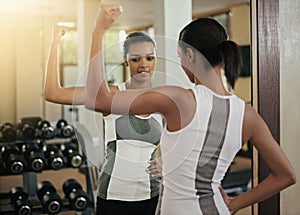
(205, 148)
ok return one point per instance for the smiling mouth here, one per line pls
(143, 72)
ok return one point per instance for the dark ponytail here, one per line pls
(209, 37)
(232, 60)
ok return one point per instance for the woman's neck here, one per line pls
(213, 80)
(137, 85)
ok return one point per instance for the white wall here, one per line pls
(21, 67)
(25, 41)
(7, 75)
(168, 69)
(289, 34)
(29, 72)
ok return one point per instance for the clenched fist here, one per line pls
(58, 32)
(107, 15)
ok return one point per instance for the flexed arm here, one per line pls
(99, 97)
(96, 76)
(53, 91)
(170, 101)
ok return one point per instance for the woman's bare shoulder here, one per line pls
(171, 90)
(250, 111)
(254, 126)
(251, 117)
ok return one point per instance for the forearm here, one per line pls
(264, 190)
(52, 82)
(98, 95)
(96, 85)
(53, 91)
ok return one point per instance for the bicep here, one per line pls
(174, 103)
(134, 102)
(73, 95)
(67, 96)
(142, 101)
(268, 147)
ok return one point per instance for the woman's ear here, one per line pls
(126, 63)
(190, 54)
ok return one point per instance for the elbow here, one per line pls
(54, 98)
(50, 94)
(292, 179)
(289, 179)
(49, 97)
(89, 104)
(97, 103)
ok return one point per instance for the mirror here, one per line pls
(236, 19)
(26, 33)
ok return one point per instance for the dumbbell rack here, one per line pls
(30, 180)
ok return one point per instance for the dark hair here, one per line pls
(135, 37)
(209, 38)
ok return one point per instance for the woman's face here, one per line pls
(141, 59)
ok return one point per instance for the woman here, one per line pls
(205, 125)
(124, 187)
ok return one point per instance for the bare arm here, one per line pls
(53, 91)
(100, 98)
(282, 174)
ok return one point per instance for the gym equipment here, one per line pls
(53, 156)
(26, 130)
(35, 157)
(70, 151)
(8, 132)
(19, 199)
(39, 147)
(64, 129)
(50, 200)
(13, 158)
(44, 130)
(78, 199)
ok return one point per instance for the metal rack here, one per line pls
(30, 178)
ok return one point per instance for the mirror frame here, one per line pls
(265, 85)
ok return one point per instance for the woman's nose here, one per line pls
(143, 62)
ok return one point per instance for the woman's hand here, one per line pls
(226, 199)
(58, 32)
(154, 169)
(107, 15)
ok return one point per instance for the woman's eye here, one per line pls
(136, 59)
(150, 58)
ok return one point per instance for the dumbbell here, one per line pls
(26, 130)
(70, 151)
(8, 132)
(78, 199)
(13, 158)
(44, 130)
(35, 157)
(19, 198)
(50, 200)
(53, 156)
(64, 129)
(2, 165)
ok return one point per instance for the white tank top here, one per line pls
(196, 158)
(130, 144)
